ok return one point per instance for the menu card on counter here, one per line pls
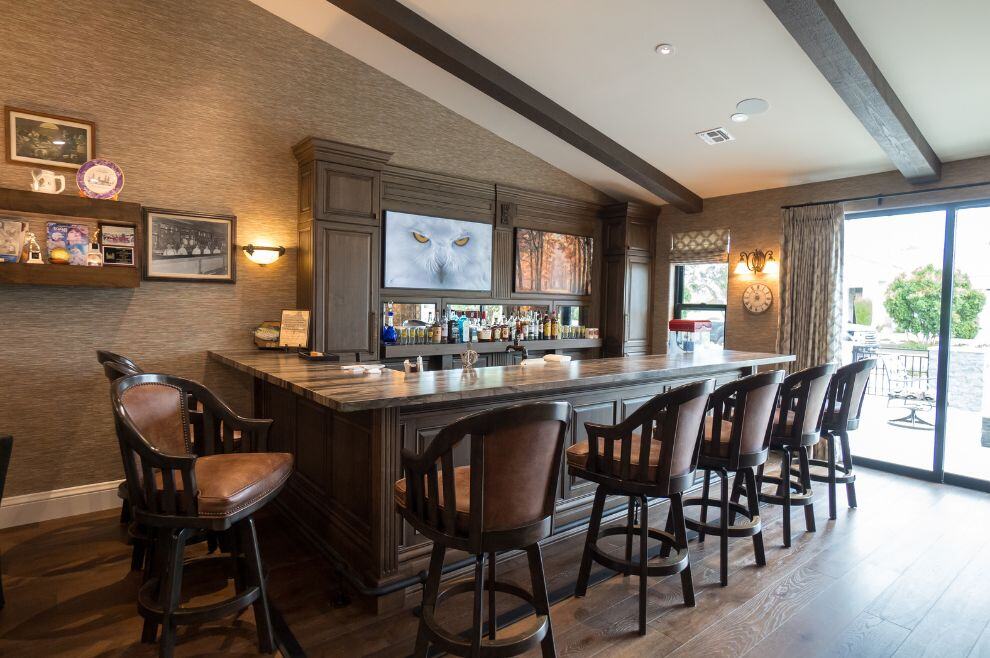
(295, 329)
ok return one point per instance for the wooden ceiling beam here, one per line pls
(408, 28)
(826, 36)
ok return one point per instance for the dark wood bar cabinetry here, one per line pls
(344, 193)
(346, 432)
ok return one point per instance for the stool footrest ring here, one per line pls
(453, 643)
(674, 563)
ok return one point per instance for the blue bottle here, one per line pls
(389, 336)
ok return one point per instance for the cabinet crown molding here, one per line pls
(315, 148)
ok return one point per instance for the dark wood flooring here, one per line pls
(906, 574)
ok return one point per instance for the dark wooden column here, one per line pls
(340, 245)
(630, 243)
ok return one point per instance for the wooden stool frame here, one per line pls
(425, 474)
(731, 402)
(657, 420)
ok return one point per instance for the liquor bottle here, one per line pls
(444, 328)
(389, 336)
(452, 328)
(555, 327)
(485, 331)
(437, 327)
(464, 328)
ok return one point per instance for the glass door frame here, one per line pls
(937, 472)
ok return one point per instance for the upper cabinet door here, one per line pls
(347, 282)
(347, 194)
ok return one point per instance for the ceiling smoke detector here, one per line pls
(665, 49)
(715, 136)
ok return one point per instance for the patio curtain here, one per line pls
(811, 285)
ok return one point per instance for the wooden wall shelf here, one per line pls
(70, 275)
(39, 207)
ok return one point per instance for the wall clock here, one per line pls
(757, 298)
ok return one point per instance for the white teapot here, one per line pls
(47, 181)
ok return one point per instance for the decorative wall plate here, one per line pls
(757, 298)
(100, 179)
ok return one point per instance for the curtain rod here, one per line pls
(880, 197)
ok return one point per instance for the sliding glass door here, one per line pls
(916, 284)
(892, 280)
(967, 427)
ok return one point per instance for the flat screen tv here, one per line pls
(437, 253)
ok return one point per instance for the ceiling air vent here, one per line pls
(715, 136)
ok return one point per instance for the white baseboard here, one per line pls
(57, 504)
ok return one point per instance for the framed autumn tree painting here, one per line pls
(555, 263)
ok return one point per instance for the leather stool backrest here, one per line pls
(744, 408)
(846, 394)
(802, 402)
(151, 415)
(674, 419)
(515, 455)
(118, 364)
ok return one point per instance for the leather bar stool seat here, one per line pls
(232, 483)
(577, 455)
(462, 498)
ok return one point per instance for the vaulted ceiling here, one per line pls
(596, 59)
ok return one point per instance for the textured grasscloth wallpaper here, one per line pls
(199, 101)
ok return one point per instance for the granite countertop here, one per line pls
(329, 385)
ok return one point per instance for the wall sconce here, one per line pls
(757, 261)
(263, 255)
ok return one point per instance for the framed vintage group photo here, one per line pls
(188, 246)
(47, 140)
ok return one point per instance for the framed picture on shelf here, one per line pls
(118, 256)
(557, 263)
(189, 246)
(48, 140)
(12, 234)
(118, 235)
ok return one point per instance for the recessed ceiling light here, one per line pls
(752, 106)
(739, 117)
(664, 49)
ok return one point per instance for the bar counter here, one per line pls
(346, 432)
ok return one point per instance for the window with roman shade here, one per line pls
(701, 277)
(707, 246)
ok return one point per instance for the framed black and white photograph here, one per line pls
(437, 253)
(188, 246)
(48, 140)
(118, 256)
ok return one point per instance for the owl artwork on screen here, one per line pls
(434, 253)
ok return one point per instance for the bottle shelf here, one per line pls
(434, 349)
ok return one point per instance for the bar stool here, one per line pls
(736, 440)
(797, 427)
(502, 501)
(176, 494)
(657, 462)
(116, 366)
(843, 406)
